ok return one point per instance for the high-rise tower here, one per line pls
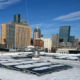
(72, 39)
(64, 34)
(17, 18)
(36, 33)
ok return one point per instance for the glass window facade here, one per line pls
(72, 38)
(64, 34)
(17, 18)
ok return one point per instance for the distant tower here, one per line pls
(72, 39)
(55, 40)
(17, 18)
(36, 33)
(64, 34)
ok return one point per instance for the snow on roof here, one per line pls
(70, 74)
(30, 65)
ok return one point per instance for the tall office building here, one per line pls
(16, 34)
(55, 40)
(3, 32)
(36, 33)
(17, 18)
(72, 38)
(64, 34)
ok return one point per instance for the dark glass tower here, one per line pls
(17, 18)
(72, 38)
(64, 34)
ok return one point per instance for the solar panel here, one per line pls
(48, 70)
(38, 68)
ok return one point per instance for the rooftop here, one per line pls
(70, 74)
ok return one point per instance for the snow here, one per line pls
(10, 60)
(32, 65)
(28, 61)
(70, 74)
(46, 67)
(61, 56)
(9, 64)
(15, 62)
(72, 57)
(13, 53)
(41, 68)
(55, 65)
(3, 61)
(67, 57)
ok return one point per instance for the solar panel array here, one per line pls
(35, 67)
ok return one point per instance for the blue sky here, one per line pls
(48, 15)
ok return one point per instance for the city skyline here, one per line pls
(48, 15)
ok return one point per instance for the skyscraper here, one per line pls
(36, 33)
(64, 34)
(72, 39)
(55, 40)
(17, 18)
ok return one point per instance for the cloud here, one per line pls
(44, 25)
(49, 25)
(35, 25)
(72, 19)
(69, 17)
(6, 3)
(78, 25)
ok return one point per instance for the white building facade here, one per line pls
(64, 50)
(47, 43)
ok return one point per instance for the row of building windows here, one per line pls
(63, 52)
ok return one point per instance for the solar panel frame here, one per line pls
(37, 72)
(48, 70)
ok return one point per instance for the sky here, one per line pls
(48, 15)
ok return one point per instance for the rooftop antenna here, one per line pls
(27, 10)
(23, 17)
